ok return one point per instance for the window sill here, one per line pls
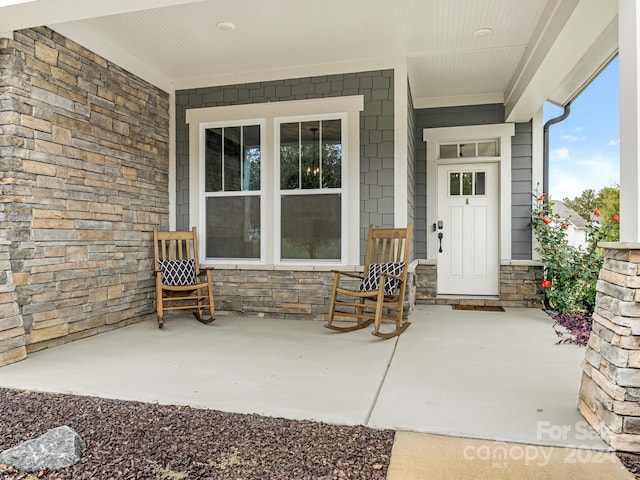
(282, 267)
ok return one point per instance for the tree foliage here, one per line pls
(606, 201)
(584, 204)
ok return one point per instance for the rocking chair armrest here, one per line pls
(349, 274)
(203, 270)
(391, 275)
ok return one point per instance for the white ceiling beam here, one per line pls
(567, 31)
(49, 12)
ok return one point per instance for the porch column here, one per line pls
(609, 396)
(629, 48)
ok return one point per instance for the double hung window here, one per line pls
(310, 184)
(232, 191)
(276, 183)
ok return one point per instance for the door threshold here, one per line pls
(479, 308)
(477, 300)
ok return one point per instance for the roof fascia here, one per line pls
(567, 30)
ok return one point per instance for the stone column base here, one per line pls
(609, 397)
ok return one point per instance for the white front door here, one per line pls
(467, 229)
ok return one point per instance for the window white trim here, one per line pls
(537, 163)
(172, 161)
(434, 136)
(351, 106)
(345, 176)
(202, 194)
(400, 148)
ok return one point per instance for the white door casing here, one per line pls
(434, 137)
(468, 262)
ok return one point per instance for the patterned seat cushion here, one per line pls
(178, 273)
(372, 280)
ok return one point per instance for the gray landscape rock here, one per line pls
(58, 448)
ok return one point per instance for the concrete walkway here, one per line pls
(420, 456)
(492, 376)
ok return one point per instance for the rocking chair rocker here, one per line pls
(380, 295)
(180, 285)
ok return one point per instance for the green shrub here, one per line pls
(571, 272)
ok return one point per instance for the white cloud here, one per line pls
(567, 188)
(574, 138)
(570, 177)
(614, 142)
(592, 163)
(569, 138)
(559, 154)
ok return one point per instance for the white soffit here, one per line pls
(175, 44)
(283, 38)
(589, 66)
(473, 76)
(556, 54)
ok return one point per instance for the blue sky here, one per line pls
(584, 149)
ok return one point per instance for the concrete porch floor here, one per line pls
(465, 381)
(485, 375)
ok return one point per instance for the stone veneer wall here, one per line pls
(12, 346)
(85, 158)
(303, 293)
(519, 285)
(282, 292)
(609, 396)
(426, 281)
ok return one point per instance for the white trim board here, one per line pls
(433, 137)
(268, 113)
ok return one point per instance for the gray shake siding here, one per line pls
(376, 146)
(376, 132)
(521, 170)
(521, 188)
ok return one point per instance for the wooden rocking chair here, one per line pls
(180, 285)
(379, 297)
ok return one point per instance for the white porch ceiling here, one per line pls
(176, 44)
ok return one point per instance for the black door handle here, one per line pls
(440, 235)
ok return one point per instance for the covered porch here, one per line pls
(99, 151)
(489, 375)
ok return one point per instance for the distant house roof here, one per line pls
(570, 214)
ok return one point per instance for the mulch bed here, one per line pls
(572, 327)
(631, 462)
(135, 440)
